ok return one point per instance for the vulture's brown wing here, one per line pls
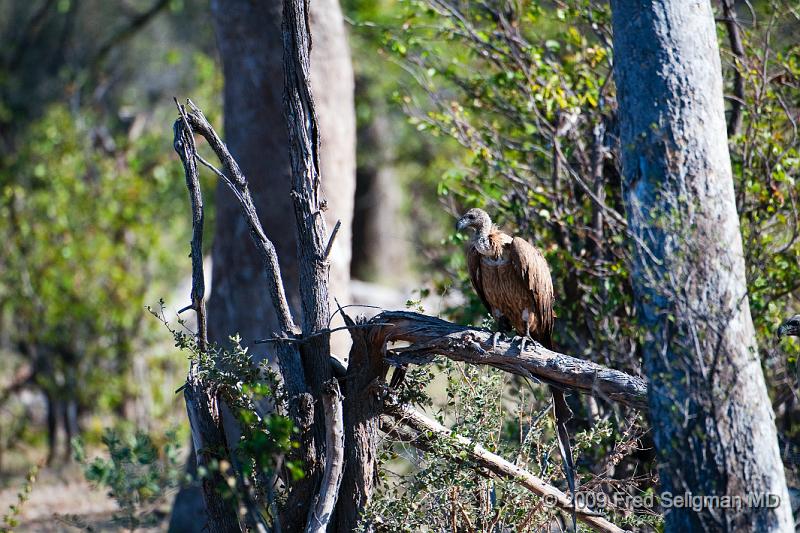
(474, 265)
(532, 266)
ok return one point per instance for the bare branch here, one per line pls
(202, 402)
(427, 431)
(431, 336)
(332, 237)
(126, 32)
(185, 147)
(320, 514)
(236, 181)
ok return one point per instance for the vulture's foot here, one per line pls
(523, 340)
(496, 339)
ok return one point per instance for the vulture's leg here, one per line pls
(495, 338)
(503, 327)
(523, 339)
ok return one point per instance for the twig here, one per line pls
(185, 147)
(427, 432)
(125, 33)
(326, 331)
(737, 48)
(333, 236)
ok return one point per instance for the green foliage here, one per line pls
(442, 489)
(10, 520)
(92, 208)
(91, 204)
(77, 209)
(523, 90)
(252, 392)
(137, 473)
(526, 91)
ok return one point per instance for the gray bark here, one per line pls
(321, 512)
(429, 336)
(202, 402)
(712, 419)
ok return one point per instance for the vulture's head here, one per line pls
(477, 219)
(790, 327)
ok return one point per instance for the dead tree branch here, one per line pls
(426, 432)
(312, 235)
(233, 177)
(202, 401)
(320, 514)
(429, 336)
(303, 130)
(126, 32)
(301, 402)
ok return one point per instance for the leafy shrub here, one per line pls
(137, 473)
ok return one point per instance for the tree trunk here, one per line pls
(363, 406)
(712, 420)
(249, 39)
(381, 242)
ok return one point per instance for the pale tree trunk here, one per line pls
(712, 419)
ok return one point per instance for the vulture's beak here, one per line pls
(790, 327)
(461, 224)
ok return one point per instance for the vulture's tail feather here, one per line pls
(562, 415)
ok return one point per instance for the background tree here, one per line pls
(251, 49)
(252, 58)
(708, 399)
(81, 182)
(507, 106)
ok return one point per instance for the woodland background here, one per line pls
(426, 107)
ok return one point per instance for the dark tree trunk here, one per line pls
(52, 427)
(712, 420)
(249, 39)
(380, 239)
(251, 47)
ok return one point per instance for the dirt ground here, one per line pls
(63, 501)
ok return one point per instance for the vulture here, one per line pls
(790, 328)
(511, 277)
(513, 281)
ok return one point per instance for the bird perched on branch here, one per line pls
(512, 279)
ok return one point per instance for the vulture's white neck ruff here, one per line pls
(484, 245)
